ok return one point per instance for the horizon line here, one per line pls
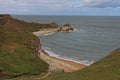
(64, 15)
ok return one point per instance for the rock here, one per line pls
(54, 25)
(35, 45)
(66, 27)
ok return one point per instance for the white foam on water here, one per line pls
(52, 54)
(79, 30)
(49, 33)
(85, 62)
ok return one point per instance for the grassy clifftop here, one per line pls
(18, 47)
(106, 69)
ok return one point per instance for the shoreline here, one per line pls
(57, 64)
(43, 32)
(84, 62)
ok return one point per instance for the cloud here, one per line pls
(97, 1)
(102, 3)
(12, 6)
(88, 1)
(58, 6)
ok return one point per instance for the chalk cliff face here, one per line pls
(66, 27)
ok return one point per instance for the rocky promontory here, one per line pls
(21, 52)
(66, 27)
(53, 27)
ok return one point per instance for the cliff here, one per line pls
(18, 48)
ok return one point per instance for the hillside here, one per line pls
(18, 55)
(18, 48)
(106, 69)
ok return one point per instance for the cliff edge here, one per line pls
(18, 48)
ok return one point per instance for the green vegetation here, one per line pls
(18, 60)
(17, 54)
(105, 69)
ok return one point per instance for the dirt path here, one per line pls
(45, 76)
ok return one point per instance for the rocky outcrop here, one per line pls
(35, 44)
(65, 27)
(52, 25)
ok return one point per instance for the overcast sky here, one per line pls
(61, 7)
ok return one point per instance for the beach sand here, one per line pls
(44, 31)
(57, 64)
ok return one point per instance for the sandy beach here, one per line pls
(44, 31)
(57, 64)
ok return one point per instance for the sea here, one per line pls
(93, 37)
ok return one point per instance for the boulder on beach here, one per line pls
(66, 27)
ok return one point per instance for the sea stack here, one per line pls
(66, 27)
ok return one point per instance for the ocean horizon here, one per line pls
(92, 39)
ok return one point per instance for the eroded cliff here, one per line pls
(18, 48)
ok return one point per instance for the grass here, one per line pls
(106, 69)
(17, 57)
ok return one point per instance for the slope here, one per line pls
(18, 48)
(106, 69)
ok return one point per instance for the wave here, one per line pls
(79, 30)
(85, 62)
(50, 33)
(52, 54)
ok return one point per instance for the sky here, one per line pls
(61, 7)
